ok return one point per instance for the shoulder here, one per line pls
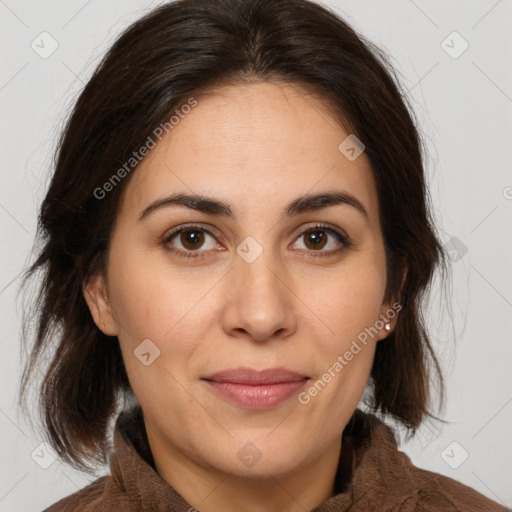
(431, 491)
(385, 477)
(102, 495)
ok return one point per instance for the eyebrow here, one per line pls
(212, 206)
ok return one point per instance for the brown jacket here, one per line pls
(373, 475)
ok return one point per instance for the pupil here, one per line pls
(191, 238)
(315, 238)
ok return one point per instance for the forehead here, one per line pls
(251, 145)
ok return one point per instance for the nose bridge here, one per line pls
(261, 303)
(255, 269)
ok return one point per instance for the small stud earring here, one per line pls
(387, 327)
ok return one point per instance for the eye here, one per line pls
(191, 238)
(319, 236)
(188, 241)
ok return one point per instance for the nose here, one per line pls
(261, 303)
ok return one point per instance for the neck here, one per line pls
(210, 490)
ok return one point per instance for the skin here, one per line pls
(257, 147)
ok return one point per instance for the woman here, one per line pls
(236, 242)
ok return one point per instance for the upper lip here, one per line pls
(245, 375)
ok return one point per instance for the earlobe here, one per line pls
(387, 328)
(99, 304)
(388, 319)
(390, 312)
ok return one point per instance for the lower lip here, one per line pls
(262, 396)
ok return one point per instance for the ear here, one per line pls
(387, 319)
(95, 294)
(390, 311)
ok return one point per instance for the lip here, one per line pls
(244, 375)
(256, 389)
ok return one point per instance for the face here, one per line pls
(251, 284)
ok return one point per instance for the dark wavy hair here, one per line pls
(182, 49)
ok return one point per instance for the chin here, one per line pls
(253, 459)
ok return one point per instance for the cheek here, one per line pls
(145, 303)
(148, 306)
(343, 359)
(155, 338)
(349, 302)
(348, 309)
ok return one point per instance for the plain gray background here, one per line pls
(463, 99)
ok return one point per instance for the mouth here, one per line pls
(253, 389)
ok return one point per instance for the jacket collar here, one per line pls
(369, 467)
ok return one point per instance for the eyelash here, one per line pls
(346, 243)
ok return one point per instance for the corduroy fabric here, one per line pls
(373, 476)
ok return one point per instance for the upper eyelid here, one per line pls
(317, 224)
(174, 232)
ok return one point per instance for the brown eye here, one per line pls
(319, 237)
(191, 239)
(315, 239)
(189, 242)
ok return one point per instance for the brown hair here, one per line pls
(174, 52)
